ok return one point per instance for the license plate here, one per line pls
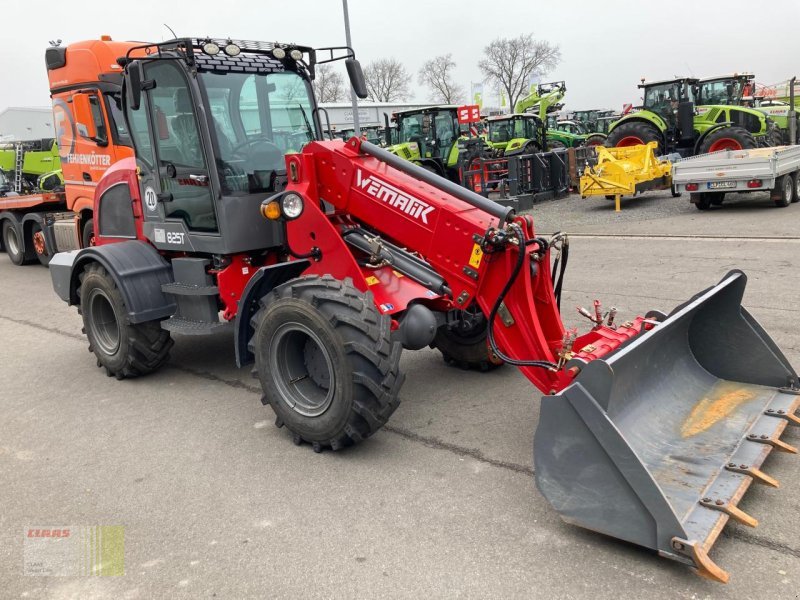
(716, 185)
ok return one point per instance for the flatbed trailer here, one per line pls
(708, 177)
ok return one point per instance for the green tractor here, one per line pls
(515, 134)
(740, 90)
(430, 138)
(669, 117)
(566, 133)
(545, 102)
(596, 124)
(31, 166)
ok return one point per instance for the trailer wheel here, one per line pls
(13, 244)
(124, 349)
(716, 198)
(326, 362)
(465, 343)
(796, 179)
(88, 233)
(783, 193)
(702, 201)
(39, 244)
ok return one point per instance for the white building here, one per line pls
(369, 113)
(26, 123)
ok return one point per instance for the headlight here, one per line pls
(210, 48)
(232, 49)
(296, 54)
(279, 53)
(292, 205)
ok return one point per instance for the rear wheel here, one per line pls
(13, 244)
(326, 362)
(39, 245)
(717, 198)
(727, 138)
(796, 179)
(124, 349)
(465, 343)
(702, 201)
(635, 133)
(783, 193)
(88, 233)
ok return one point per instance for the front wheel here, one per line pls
(796, 179)
(783, 193)
(596, 139)
(727, 138)
(702, 201)
(122, 348)
(326, 362)
(88, 233)
(555, 145)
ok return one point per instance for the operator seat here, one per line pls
(184, 126)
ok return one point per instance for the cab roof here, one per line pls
(691, 80)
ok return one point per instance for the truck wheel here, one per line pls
(465, 343)
(635, 133)
(88, 233)
(326, 362)
(796, 179)
(727, 138)
(39, 245)
(13, 244)
(122, 348)
(783, 193)
(702, 201)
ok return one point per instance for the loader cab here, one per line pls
(211, 122)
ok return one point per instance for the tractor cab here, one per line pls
(667, 98)
(729, 90)
(211, 122)
(509, 132)
(429, 137)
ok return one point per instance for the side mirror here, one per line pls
(135, 75)
(84, 119)
(356, 76)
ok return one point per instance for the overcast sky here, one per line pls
(606, 45)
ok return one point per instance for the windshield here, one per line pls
(724, 92)
(256, 119)
(664, 97)
(504, 130)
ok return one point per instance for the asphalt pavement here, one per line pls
(217, 502)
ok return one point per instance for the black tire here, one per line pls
(775, 137)
(641, 130)
(735, 135)
(783, 193)
(716, 198)
(675, 193)
(596, 139)
(87, 237)
(555, 145)
(796, 179)
(465, 345)
(39, 245)
(12, 242)
(122, 348)
(702, 201)
(314, 330)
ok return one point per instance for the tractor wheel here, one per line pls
(775, 138)
(124, 349)
(796, 178)
(11, 243)
(727, 138)
(635, 133)
(465, 344)
(88, 233)
(783, 193)
(555, 145)
(596, 139)
(702, 201)
(326, 362)
(39, 245)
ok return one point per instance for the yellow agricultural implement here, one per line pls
(625, 171)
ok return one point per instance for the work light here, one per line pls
(296, 54)
(279, 53)
(210, 48)
(292, 205)
(232, 49)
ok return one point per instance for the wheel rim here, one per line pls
(38, 243)
(630, 140)
(725, 144)
(594, 142)
(103, 322)
(797, 188)
(787, 189)
(12, 243)
(302, 368)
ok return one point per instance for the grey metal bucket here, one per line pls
(657, 443)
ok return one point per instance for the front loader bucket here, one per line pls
(657, 442)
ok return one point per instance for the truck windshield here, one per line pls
(255, 119)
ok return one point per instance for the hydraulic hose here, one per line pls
(542, 364)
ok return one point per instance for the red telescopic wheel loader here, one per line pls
(329, 258)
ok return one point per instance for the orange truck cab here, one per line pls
(85, 87)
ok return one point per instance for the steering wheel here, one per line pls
(269, 145)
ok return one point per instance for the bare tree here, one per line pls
(329, 84)
(437, 74)
(387, 80)
(509, 63)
